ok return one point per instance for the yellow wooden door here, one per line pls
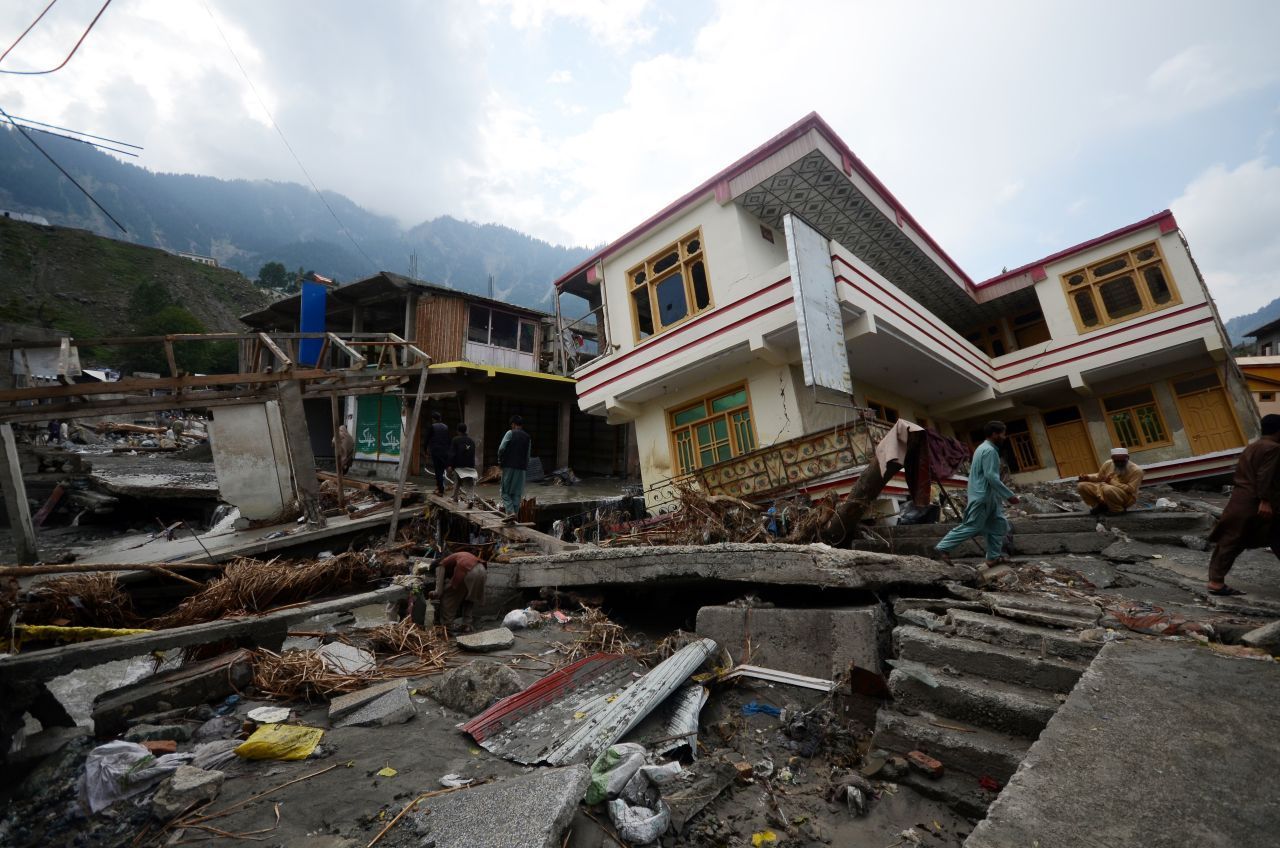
(1072, 449)
(1208, 420)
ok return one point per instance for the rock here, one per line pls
(1129, 551)
(344, 705)
(1195, 543)
(218, 727)
(487, 640)
(346, 659)
(185, 788)
(394, 707)
(155, 732)
(1267, 636)
(473, 688)
(522, 812)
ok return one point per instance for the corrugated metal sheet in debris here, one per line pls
(601, 729)
(524, 726)
(674, 724)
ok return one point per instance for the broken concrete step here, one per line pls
(1010, 605)
(986, 660)
(1035, 544)
(936, 605)
(1044, 641)
(1004, 707)
(1145, 525)
(957, 789)
(958, 745)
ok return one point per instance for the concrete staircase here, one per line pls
(1002, 664)
(1043, 535)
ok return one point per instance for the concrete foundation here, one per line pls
(814, 642)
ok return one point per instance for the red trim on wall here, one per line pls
(1105, 349)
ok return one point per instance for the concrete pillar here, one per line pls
(298, 441)
(473, 413)
(15, 498)
(410, 321)
(562, 434)
(357, 318)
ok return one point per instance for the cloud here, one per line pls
(1231, 217)
(618, 23)
(562, 76)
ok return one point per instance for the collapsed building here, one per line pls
(792, 286)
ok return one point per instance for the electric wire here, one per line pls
(64, 62)
(77, 132)
(30, 27)
(96, 144)
(63, 170)
(287, 145)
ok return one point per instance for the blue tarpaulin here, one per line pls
(311, 320)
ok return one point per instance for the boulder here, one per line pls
(473, 688)
(1266, 637)
(184, 789)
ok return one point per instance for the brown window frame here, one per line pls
(1087, 279)
(646, 277)
(1144, 444)
(734, 438)
(1022, 444)
(881, 409)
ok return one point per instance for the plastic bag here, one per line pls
(280, 742)
(122, 769)
(613, 769)
(521, 619)
(639, 825)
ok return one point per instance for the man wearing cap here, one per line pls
(1248, 520)
(1114, 488)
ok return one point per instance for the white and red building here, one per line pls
(1111, 342)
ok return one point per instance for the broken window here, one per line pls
(527, 336)
(1120, 288)
(503, 329)
(1135, 420)
(712, 430)
(500, 329)
(478, 327)
(670, 286)
(1266, 397)
(1029, 328)
(989, 338)
(887, 414)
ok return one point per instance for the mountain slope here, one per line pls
(244, 224)
(1241, 324)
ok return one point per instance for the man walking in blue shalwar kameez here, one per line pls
(984, 514)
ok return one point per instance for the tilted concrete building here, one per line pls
(713, 348)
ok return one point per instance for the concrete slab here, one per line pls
(346, 659)
(524, 812)
(753, 564)
(344, 705)
(394, 707)
(813, 642)
(1161, 745)
(498, 639)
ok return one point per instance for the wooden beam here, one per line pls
(15, 498)
(286, 363)
(406, 453)
(298, 440)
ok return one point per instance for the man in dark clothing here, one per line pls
(460, 582)
(438, 446)
(1248, 520)
(513, 455)
(462, 460)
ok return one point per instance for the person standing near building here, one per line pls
(345, 449)
(438, 446)
(462, 459)
(1114, 488)
(1249, 521)
(984, 513)
(460, 582)
(513, 455)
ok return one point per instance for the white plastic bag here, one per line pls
(122, 769)
(521, 619)
(639, 825)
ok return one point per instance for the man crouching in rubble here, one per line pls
(460, 581)
(1114, 488)
(984, 514)
(1249, 521)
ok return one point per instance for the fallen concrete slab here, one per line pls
(786, 565)
(343, 705)
(523, 812)
(392, 707)
(198, 683)
(485, 641)
(814, 642)
(1141, 754)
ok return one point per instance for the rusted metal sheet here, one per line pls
(571, 715)
(794, 463)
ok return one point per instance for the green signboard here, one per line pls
(378, 427)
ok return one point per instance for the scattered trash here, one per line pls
(763, 769)
(639, 825)
(755, 707)
(925, 763)
(280, 742)
(1141, 617)
(455, 781)
(387, 771)
(269, 715)
(123, 769)
(774, 676)
(228, 706)
(522, 619)
(989, 783)
(612, 770)
(1164, 503)
(916, 670)
(763, 838)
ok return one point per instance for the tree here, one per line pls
(192, 357)
(275, 276)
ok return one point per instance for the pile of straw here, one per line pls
(249, 586)
(93, 599)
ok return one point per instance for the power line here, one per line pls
(55, 164)
(81, 140)
(83, 36)
(77, 132)
(287, 145)
(27, 30)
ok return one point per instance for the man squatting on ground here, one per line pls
(1248, 521)
(1114, 488)
(460, 582)
(514, 452)
(984, 513)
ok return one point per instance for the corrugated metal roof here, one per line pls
(571, 715)
(674, 724)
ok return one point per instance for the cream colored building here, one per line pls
(695, 338)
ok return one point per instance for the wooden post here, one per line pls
(15, 498)
(337, 459)
(406, 453)
(298, 439)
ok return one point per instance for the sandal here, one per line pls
(942, 557)
(1226, 591)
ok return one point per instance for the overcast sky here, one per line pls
(1010, 130)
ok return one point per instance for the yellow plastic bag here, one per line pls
(280, 742)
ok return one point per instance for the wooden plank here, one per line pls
(298, 440)
(493, 522)
(53, 662)
(15, 498)
(406, 455)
